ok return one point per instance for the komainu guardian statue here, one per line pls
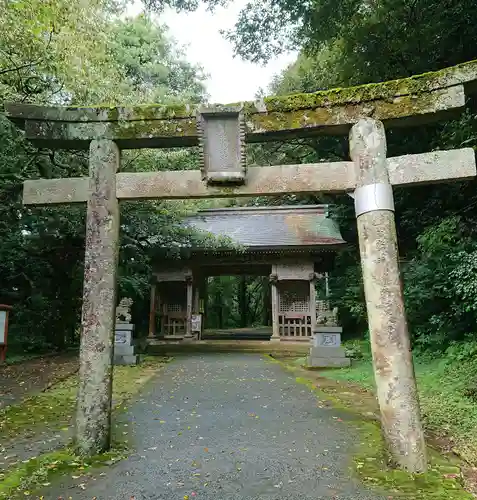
(123, 314)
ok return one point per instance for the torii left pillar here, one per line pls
(93, 421)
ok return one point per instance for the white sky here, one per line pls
(231, 79)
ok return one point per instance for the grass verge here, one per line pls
(55, 408)
(447, 391)
(444, 479)
(22, 481)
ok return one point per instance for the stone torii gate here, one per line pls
(222, 131)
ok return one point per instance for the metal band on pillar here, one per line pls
(373, 197)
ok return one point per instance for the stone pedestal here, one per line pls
(124, 349)
(326, 350)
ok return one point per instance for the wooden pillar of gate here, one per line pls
(93, 418)
(313, 280)
(196, 296)
(189, 306)
(201, 300)
(275, 304)
(152, 310)
(391, 349)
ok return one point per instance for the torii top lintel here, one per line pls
(415, 100)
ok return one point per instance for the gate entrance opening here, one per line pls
(294, 246)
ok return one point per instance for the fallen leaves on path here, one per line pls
(32, 376)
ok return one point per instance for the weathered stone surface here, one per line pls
(123, 312)
(128, 359)
(326, 362)
(328, 329)
(431, 168)
(99, 301)
(123, 336)
(328, 336)
(425, 168)
(260, 181)
(124, 327)
(272, 125)
(329, 112)
(222, 144)
(393, 366)
(124, 349)
(56, 191)
(327, 352)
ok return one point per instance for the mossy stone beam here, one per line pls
(406, 102)
(422, 168)
(275, 122)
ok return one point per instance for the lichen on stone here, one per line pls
(414, 85)
(332, 111)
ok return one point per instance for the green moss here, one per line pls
(442, 481)
(152, 112)
(124, 129)
(369, 463)
(55, 408)
(450, 413)
(295, 114)
(349, 95)
(22, 481)
(414, 85)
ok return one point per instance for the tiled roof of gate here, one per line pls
(271, 227)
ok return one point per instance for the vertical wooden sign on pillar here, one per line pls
(391, 349)
(93, 420)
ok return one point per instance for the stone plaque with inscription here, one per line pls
(327, 339)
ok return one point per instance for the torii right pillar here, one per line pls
(390, 343)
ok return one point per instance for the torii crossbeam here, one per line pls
(363, 112)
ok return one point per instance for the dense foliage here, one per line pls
(85, 53)
(81, 53)
(436, 224)
(349, 42)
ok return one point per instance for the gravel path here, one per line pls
(228, 427)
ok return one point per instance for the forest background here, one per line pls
(89, 52)
(59, 53)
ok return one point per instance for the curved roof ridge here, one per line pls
(271, 227)
(318, 208)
